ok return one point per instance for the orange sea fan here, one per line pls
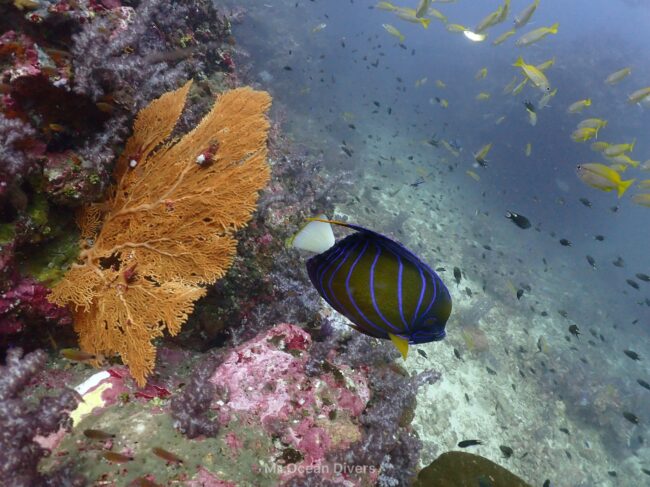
(168, 225)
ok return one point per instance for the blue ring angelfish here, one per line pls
(384, 289)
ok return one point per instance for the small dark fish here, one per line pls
(585, 202)
(347, 151)
(565, 431)
(565, 242)
(611, 473)
(643, 384)
(632, 283)
(600, 238)
(592, 261)
(632, 355)
(288, 68)
(167, 455)
(491, 371)
(457, 275)
(98, 434)
(143, 482)
(529, 106)
(466, 443)
(547, 483)
(352, 126)
(631, 417)
(519, 220)
(643, 277)
(573, 329)
(645, 471)
(506, 450)
(563, 313)
(619, 262)
(520, 293)
(376, 103)
(468, 291)
(77, 355)
(457, 354)
(423, 353)
(111, 456)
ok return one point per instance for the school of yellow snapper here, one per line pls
(606, 175)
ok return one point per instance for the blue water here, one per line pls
(336, 74)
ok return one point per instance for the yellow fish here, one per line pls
(601, 177)
(447, 146)
(420, 82)
(319, 27)
(644, 185)
(529, 149)
(618, 149)
(482, 154)
(440, 84)
(510, 86)
(618, 76)
(536, 35)
(642, 199)
(489, 20)
(500, 120)
(438, 15)
(532, 116)
(578, 106)
(639, 95)
(456, 28)
(473, 175)
(624, 159)
(538, 78)
(483, 96)
(546, 99)
(523, 18)
(599, 146)
(594, 123)
(503, 37)
(546, 64)
(393, 31)
(423, 6)
(386, 6)
(410, 16)
(584, 134)
(520, 87)
(481, 73)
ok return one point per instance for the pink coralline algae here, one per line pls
(266, 382)
(25, 301)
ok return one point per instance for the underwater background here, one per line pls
(402, 126)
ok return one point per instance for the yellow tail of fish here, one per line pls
(401, 344)
(623, 186)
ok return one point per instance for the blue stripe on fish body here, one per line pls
(382, 287)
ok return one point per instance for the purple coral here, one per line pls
(21, 420)
(190, 409)
(17, 150)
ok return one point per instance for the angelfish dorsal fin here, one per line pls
(401, 344)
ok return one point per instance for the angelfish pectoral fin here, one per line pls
(401, 344)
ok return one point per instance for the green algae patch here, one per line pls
(7, 232)
(49, 261)
(140, 427)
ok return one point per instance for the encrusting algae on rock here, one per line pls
(167, 228)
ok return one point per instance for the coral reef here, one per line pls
(72, 77)
(168, 227)
(21, 421)
(268, 422)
